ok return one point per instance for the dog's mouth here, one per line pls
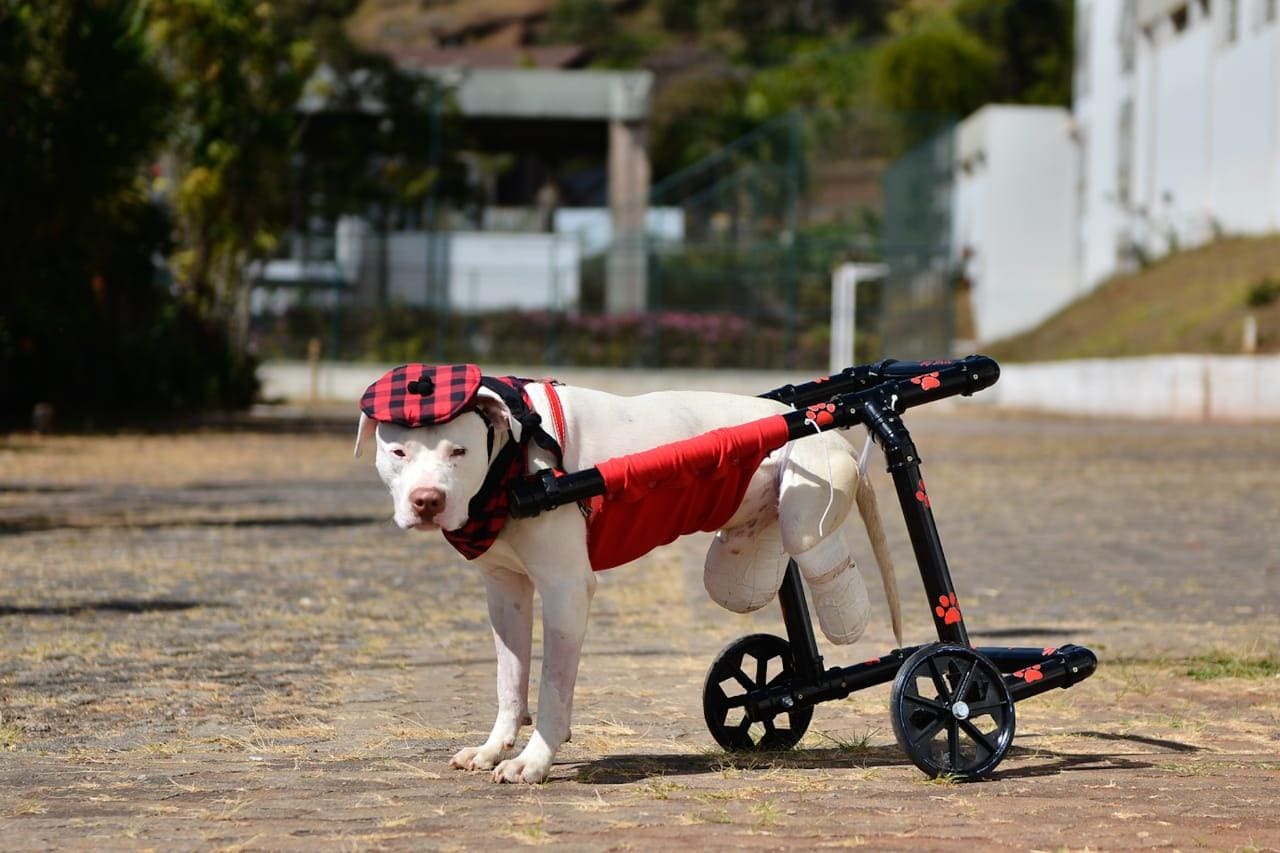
(414, 522)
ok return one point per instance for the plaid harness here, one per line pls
(416, 395)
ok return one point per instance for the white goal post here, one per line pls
(844, 309)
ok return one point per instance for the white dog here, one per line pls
(796, 503)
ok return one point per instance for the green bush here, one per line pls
(533, 338)
(85, 324)
(1263, 293)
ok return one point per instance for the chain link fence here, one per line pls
(740, 251)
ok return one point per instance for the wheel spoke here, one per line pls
(735, 701)
(924, 703)
(745, 680)
(979, 710)
(762, 670)
(939, 684)
(770, 727)
(953, 742)
(928, 731)
(963, 689)
(978, 737)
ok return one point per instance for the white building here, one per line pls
(1014, 215)
(1176, 108)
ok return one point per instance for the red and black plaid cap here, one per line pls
(415, 395)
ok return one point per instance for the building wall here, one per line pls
(1015, 215)
(1180, 144)
(1243, 142)
(1104, 84)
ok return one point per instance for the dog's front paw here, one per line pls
(531, 769)
(477, 757)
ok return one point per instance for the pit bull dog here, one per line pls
(449, 441)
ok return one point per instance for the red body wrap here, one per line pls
(661, 494)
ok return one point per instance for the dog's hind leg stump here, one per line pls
(839, 594)
(744, 569)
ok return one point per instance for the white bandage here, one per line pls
(839, 594)
(744, 570)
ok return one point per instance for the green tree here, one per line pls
(1033, 41)
(85, 322)
(240, 68)
(595, 25)
(257, 82)
(696, 116)
(936, 66)
(819, 76)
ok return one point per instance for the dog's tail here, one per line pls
(869, 509)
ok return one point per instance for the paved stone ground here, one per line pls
(214, 639)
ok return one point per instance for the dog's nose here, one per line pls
(427, 502)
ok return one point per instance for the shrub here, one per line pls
(648, 339)
(1263, 293)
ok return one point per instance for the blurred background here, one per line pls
(191, 190)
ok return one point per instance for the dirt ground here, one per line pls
(214, 639)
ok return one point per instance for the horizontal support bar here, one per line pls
(1029, 672)
(964, 377)
(835, 683)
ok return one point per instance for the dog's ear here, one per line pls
(496, 412)
(364, 431)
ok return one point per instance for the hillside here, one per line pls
(1192, 302)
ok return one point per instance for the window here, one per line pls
(1179, 18)
(1082, 169)
(1124, 152)
(1231, 22)
(1128, 35)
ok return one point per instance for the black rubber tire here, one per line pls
(965, 743)
(720, 710)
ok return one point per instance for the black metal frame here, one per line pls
(873, 396)
(878, 407)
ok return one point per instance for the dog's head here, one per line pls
(434, 470)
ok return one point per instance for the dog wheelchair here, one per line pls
(951, 705)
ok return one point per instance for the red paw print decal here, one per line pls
(822, 414)
(928, 381)
(948, 609)
(1030, 674)
(922, 495)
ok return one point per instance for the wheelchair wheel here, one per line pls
(951, 712)
(746, 665)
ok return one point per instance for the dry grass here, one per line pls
(1193, 302)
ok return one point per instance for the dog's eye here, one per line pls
(458, 451)
(399, 451)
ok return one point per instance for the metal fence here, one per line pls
(741, 248)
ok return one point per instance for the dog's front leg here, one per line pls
(510, 598)
(566, 585)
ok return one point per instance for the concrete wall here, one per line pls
(339, 381)
(486, 270)
(1176, 387)
(593, 226)
(1173, 387)
(1014, 219)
